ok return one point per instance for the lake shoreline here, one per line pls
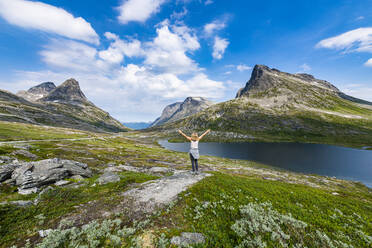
(330, 161)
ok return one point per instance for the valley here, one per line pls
(319, 205)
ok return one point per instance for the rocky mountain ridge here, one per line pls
(180, 110)
(62, 106)
(68, 92)
(37, 92)
(276, 105)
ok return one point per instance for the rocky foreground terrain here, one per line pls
(62, 187)
(62, 106)
(279, 106)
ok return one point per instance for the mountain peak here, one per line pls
(37, 92)
(191, 105)
(69, 92)
(264, 78)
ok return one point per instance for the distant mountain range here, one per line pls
(276, 105)
(62, 106)
(180, 110)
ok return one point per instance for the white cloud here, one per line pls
(138, 10)
(243, 67)
(128, 91)
(357, 40)
(305, 67)
(219, 47)
(207, 2)
(368, 62)
(120, 48)
(68, 54)
(167, 52)
(211, 28)
(359, 18)
(47, 18)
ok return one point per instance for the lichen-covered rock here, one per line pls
(108, 177)
(7, 160)
(6, 171)
(187, 239)
(48, 171)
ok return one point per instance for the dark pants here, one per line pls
(194, 163)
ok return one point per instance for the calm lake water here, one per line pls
(326, 160)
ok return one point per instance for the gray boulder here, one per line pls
(187, 239)
(48, 171)
(27, 191)
(108, 177)
(7, 160)
(25, 153)
(6, 171)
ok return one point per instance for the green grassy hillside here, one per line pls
(278, 106)
(242, 203)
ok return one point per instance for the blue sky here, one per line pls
(133, 57)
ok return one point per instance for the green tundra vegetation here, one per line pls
(241, 203)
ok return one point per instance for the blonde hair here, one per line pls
(194, 136)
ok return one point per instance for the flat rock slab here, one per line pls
(61, 182)
(108, 177)
(187, 239)
(160, 192)
(151, 170)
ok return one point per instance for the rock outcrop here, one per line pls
(180, 110)
(37, 92)
(108, 177)
(29, 176)
(161, 192)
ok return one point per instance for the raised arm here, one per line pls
(201, 136)
(184, 135)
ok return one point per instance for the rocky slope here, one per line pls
(180, 110)
(275, 105)
(62, 106)
(37, 92)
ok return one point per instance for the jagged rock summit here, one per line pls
(264, 78)
(37, 92)
(69, 92)
(179, 110)
(62, 106)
